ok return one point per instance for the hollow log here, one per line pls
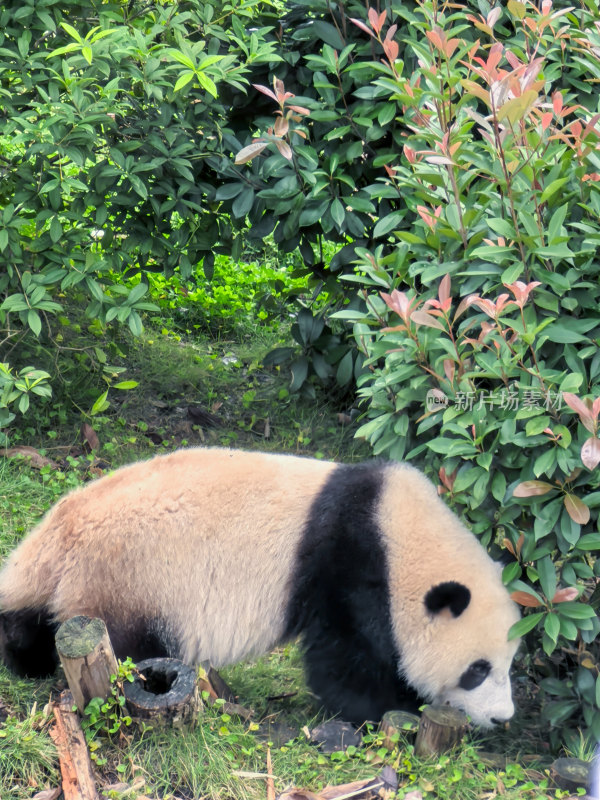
(164, 693)
(440, 729)
(87, 658)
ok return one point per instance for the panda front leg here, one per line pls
(351, 677)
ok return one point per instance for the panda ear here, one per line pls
(451, 595)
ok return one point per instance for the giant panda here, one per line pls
(216, 554)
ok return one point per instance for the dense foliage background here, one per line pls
(433, 172)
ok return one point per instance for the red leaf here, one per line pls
(449, 369)
(576, 509)
(250, 152)
(279, 87)
(566, 595)
(493, 16)
(281, 127)
(508, 545)
(267, 91)
(284, 149)
(577, 404)
(464, 304)
(300, 109)
(532, 489)
(525, 599)
(362, 26)
(444, 290)
(376, 19)
(423, 318)
(435, 38)
(487, 306)
(590, 125)
(391, 32)
(439, 160)
(447, 480)
(557, 102)
(450, 47)
(391, 50)
(590, 452)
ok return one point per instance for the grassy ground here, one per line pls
(179, 383)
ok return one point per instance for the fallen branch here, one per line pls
(75, 765)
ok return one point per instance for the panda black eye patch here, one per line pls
(475, 674)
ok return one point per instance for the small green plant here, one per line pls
(239, 294)
(109, 717)
(319, 351)
(16, 390)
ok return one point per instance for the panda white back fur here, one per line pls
(210, 554)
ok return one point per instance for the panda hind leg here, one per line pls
(27, 642)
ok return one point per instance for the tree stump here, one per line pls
(87, 658)
(441, 728)
(394, 722)
(570, 773)
(164, 693)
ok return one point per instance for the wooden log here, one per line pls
(164, 693)
(87, 658)
(395, 722)
(570, 773)
(75, 765)
(440, 729)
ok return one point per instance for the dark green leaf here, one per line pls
(525, 625)
(299, 370)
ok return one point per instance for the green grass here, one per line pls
(213, 760)
(27, 756)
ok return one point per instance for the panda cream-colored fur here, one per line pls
(210, 554)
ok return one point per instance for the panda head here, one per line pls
(466, 655)
(450, 611)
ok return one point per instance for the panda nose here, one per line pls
(498, 721)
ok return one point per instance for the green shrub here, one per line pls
(111, 112)
(480, 320)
